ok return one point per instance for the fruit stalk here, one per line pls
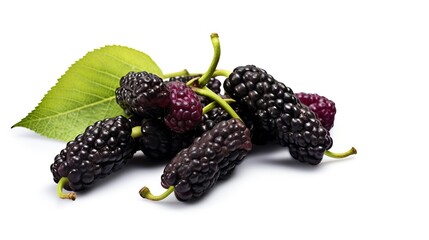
(145, 193)
(216, 56)
(219, 100)
(184, 72)
(351, 151)
(71, 195)
(221, 72)
(212, 105)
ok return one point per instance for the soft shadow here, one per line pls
(173, 202)
(24, 133)
(302, 166)
(141, 161)
(264, 149)
(276, 155)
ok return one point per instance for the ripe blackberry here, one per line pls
(143, 94)
(103, 148)
(323, 107)
(211, 157)
(276, 110)
(185, 109)
(213, 84)
(159, 142)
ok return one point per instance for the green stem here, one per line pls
(184, 72)
(145, 193)
(351, 151)
(218, 99)
(223, 73)
(192, 81)
(217, 72)
(136, 132)
(212, 105)
(216, 56)
(71, 195)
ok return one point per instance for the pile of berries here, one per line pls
(202, 132)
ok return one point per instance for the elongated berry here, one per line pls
(142, 93)
(211, 157)
(103, 148)
(159, 142)
(276, 110)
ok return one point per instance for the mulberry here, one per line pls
(159, 142)
(143, 94)
(103, 148)
(185, 109)
(211, 157)
(276, 110)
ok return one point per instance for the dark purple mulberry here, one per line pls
(276, 109)
(103, 148)
(185, 109)
(323, 107)
(306, 138)
(159, 142)
(211, 157)
(143, 94)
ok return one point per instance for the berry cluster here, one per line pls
(202, 133)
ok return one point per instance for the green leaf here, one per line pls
(86, 92)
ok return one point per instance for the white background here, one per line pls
(370, 57)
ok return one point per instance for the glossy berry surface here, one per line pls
(276, 110)
(142, 93)
(103, 148)
(213, 156)
(185, 109)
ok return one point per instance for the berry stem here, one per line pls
(184, 72)
(192, 81)
(218, 99)
(223, 73)
(71, 195)
(145, 193)
(351, 151)
(136, 132)
(216, 56)
(212, 105)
